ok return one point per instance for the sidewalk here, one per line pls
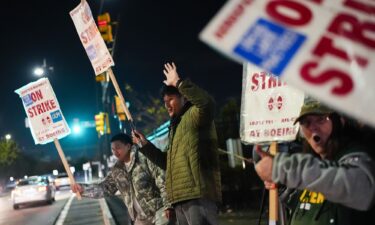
(241, 217)
(96, 212)
(236, 217)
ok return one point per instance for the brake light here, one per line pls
(42, 188)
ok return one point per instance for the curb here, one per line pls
(107, 215)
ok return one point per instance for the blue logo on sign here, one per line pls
(91, 52)
(27, 100)
(56, 116)
(269, 45)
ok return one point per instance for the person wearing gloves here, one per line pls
(140, 182)
(191, 160)
(333, 181)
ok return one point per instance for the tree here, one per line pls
(149, 111)
(227, 121)
(9, 152)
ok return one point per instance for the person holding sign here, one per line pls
(334, 183)
(191, 160)
(140, 182)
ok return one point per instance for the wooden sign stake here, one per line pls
(273, 194)
(66, 165)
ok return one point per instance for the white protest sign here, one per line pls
(91, 39)
(268, 108)
(43, 111)
(324, 47)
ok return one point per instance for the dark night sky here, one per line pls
(150, 34)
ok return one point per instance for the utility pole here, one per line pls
(105, 27)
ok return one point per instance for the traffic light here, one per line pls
(105, 27)
(119, 110)
(102, 123)
(102, 77)
(99, 123)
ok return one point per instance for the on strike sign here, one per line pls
(323, 47)
(91, 39)
(43, 111)
(269, 108)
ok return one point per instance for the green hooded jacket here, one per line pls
(191, 159)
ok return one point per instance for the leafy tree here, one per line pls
(9, 152)
(149, 111)
(227, 121)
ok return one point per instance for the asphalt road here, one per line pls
(32, 214)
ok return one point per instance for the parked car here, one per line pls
(33, 189)
(62, 180)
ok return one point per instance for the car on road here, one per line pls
(51, 179)
(32, 190)
(10, 185)
(62, 180)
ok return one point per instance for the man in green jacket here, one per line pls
(191, 160)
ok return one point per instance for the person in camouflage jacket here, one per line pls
(140, 182)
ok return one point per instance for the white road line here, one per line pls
(64, 212)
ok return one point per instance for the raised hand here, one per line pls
(170, 72)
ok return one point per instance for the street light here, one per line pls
(41, 70)
(76, 129)
(8, 137)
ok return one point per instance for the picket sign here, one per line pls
(323, 47)
(96, 49)
(91, 39)
(46, 120)
(269, 108)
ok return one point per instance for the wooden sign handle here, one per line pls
(66, 165)
(273, 194)
(119, 93)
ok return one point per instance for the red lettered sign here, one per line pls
(325, 48)
(43, 111)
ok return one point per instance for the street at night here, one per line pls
(144, 112)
